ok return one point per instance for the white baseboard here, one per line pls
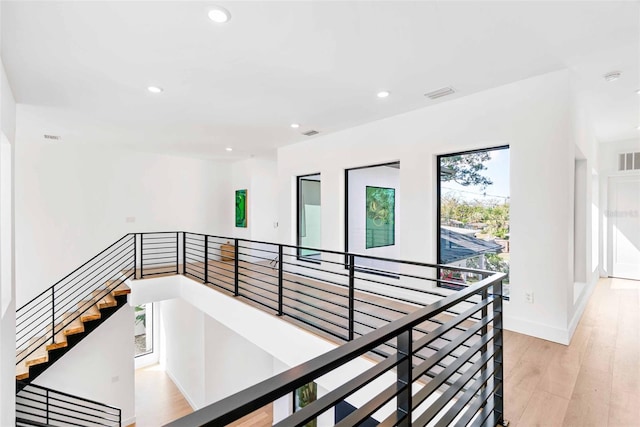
(183, 391)
(582, 303)
(538, 330)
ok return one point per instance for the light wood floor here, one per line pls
(159, 401)
(595, 381)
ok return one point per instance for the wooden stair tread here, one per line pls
(122, 289)
(22, 371)
(74, 327)
(90, 311)
(104, 300)
(41, 355)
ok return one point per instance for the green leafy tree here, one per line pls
(466, 169)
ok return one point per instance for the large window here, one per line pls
(143, 329)
(473, 210)
(309, 218)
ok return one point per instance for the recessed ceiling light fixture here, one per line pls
(383, 94)
(295, 125)
(612, 76)
(638, 91)
(229, 149)
(219, 15)
(155, 89)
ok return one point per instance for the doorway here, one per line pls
(624, 226)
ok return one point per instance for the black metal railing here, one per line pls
(405, 387)
(40, 322)
(42, 406)
(438, 351)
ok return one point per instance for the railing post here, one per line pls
(141, 255)
(53, 315)
(405, 348)
(177, 252)
(236, 278)
(351, 295)
(498, 399)
(184, 252)
(135, 255)
(206, 259)
(280, 287)
(47, 404)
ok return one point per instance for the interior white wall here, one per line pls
(259, 177)
(533, 117)
(7, 299)
(183, 348)
(358, 181)
(100, 367)
(74, 201)
(232, 363)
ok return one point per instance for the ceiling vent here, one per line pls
(310, 133)
(445, 91)
(628, 161)
(53, 137)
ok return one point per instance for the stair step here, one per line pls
(119, 290)
(22, 372)
(41, 355)
(90, 311)
(104, 300)
(74, 327)
(60, 340)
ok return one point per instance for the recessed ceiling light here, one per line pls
(219, 15)
(638, 127)
(383, 94)
(295, 125)
(612, 76)
(155, 89)
(638, 91)
(229, 149)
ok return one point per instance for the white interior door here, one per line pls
(624, 220)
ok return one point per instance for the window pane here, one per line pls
(143, 329)
(474, 214)
(309, 215)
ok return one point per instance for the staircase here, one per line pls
(52, 323)
(46, 349)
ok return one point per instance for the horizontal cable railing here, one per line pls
(41, 321)
(42, 406)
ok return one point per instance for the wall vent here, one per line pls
(628, 161)
(310, 133)
(440, 93)
(53, 137)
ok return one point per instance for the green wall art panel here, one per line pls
(241, 208)
(381, 217)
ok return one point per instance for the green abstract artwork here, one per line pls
(241, 208)
(381, 217)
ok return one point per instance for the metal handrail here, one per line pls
(255, 397)
(38, 405)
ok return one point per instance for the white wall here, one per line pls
(359, 179)
(7, 298)
(206, 360)
(183, 352)
(74, 201)
(232, 363)
(100, 367)
(259, 177)
(532, 116)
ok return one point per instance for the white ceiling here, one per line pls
(86, 65)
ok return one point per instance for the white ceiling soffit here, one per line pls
(320, 64)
